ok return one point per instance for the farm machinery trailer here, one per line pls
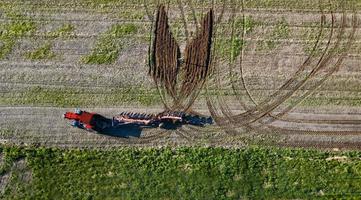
(166, 120)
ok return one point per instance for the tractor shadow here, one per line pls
(133, 130)
(123, 131)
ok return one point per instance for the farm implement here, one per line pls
(166, 120)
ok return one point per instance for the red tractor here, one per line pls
(86, 120)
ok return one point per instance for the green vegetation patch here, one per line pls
(245, 24)
(231, 47)
(106, 51)
(66, 30)
(280, 31)
(17, 29)
(132, 14)
(45, 52)
(42, 53)
(10, 32)
(186, 173)
(310, 36)
(65, 97)
(19, 26)
(6, 46)
(121, 30)
(107, 48)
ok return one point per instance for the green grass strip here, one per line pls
(185, 173)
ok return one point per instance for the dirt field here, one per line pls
(282, 73)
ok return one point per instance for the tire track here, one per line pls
(322, 62)
(265, 107)
(300, 69)
(319, 83)
(229, 115)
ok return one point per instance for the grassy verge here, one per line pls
(184, 173)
